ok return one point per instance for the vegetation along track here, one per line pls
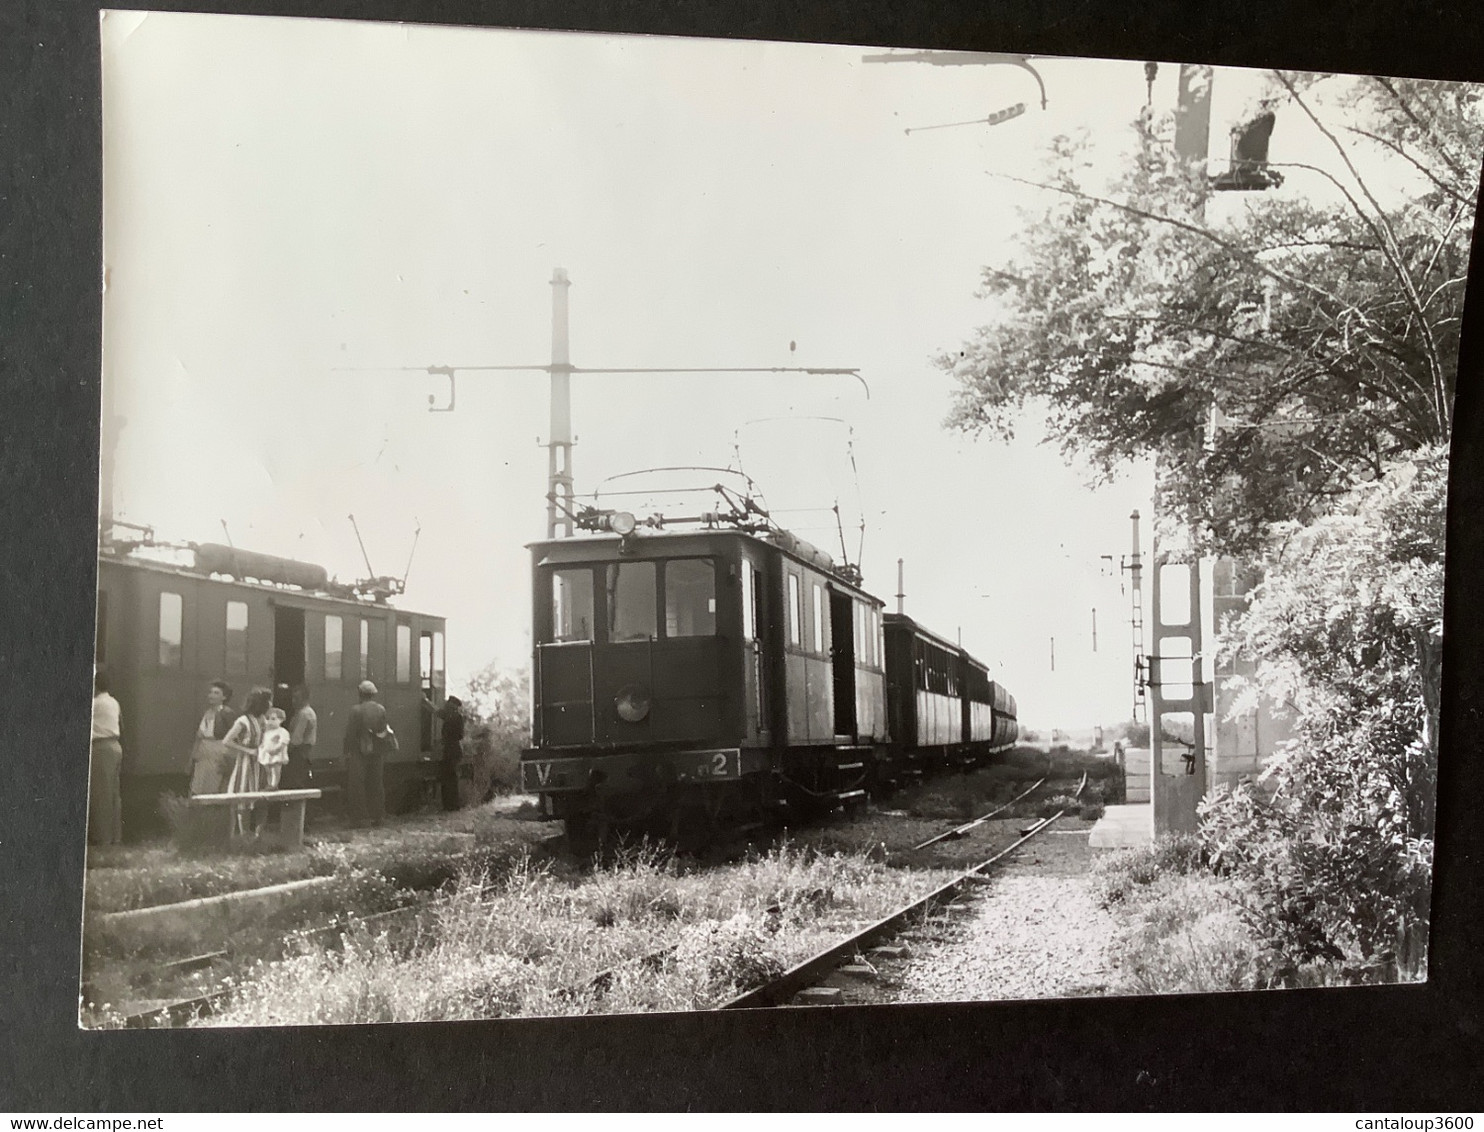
(782, 990)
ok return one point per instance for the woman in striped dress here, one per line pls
(243, 741)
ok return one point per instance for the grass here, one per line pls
(961, 797)
(1184, 936)
(1180, 928)
(142, 876)
(532, 941)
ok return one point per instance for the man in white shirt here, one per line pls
(303, 734)
(105, 807)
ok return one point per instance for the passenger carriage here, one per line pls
(169, 623)
(943, 709)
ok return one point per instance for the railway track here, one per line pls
(180, 1011)
(959, 831)
(781, 990)
(809, 973)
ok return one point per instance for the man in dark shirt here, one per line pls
(365, 782)
(452, 714)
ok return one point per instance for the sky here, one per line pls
(295, 207)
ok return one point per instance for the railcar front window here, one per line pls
(690, 598)
(334, 647)
(236, 660)
(365, 665)
(572, 605)
(171, 614)
(438, 654)
(631, 602)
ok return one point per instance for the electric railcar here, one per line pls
(720, 674)
(166, 629)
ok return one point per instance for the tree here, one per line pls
(498, 706)
(1271, 362)
(1292, 369)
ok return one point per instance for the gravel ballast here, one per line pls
(1034, 931)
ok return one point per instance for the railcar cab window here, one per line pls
(817, 627)
(364, 669)
(404, 653)
(749, 602)
(690, 597)
(236, 658)
(334, 647)
(171, 614)
(572, 604)
(795, 610)
(631, 602)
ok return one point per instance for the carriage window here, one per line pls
(425, 657)
(236, 638)
(100, 642)
(690, 598)
(631, 602)
(572, 605)
(795, 609)
(365, 666)
(818, 626)
(404, 653)
(170, 624)
(334, 647)
(749, 602)
(438, 652)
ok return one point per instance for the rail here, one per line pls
(959, 831)
(811, 970)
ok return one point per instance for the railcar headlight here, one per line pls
(631, 703)
(621, 523)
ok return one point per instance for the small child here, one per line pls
(274, 753)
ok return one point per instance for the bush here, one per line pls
(1325, 889)
(1336, 849)
(498, 707)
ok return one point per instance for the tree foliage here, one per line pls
(1318, 329)
(498, 707)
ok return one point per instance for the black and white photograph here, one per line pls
(616, 524)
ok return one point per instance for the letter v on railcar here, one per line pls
(691, 680)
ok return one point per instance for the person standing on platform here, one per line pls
(211, 762)
(105, 806)
(363, 747)
(303, 734)
(243, 741)
(452, 735)
(273, 755)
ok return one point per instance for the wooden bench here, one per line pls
(289, 803)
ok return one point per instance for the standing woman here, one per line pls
(211, 762)
(243, 741)
(105, 808)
